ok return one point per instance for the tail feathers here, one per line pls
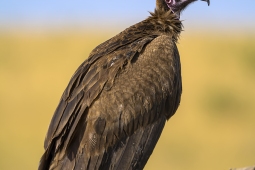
(43, 165)
(130, 153)
(140, 146)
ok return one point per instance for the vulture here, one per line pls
(116, 104)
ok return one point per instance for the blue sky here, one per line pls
(48, 14)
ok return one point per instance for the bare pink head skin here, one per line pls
(177, 6)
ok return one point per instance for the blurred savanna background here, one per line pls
(43, 42)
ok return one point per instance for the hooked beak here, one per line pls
(208, 1)
(178, 6)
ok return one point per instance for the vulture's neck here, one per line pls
(166, 22)
(161, 4)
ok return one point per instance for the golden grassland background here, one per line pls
(213, 128)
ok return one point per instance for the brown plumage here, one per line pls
(116, 104)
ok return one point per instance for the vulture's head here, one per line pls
(176, 6)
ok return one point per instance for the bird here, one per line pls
(116, 104)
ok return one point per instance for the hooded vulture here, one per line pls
(116, 104)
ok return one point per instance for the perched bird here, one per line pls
(115, 106)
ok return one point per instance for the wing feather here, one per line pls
(83, 88)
